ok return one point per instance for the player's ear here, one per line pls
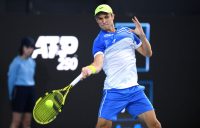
(113, 15)
(96, 18)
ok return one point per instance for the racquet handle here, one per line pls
(76, 80)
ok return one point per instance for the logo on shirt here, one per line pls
(108, 35)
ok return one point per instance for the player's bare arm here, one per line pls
(145, 48)
(93, 68)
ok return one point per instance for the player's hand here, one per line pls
(86, 72)
(138, 27)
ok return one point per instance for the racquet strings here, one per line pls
(44, 114)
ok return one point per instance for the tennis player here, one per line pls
(114, 51)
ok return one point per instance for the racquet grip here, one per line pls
(76, 80)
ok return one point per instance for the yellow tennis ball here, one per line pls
(49, 103)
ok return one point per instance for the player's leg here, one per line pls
(112, 103)
(26, 121)
(150, 119)
(16, 120)
(141, 107)
(103, 123)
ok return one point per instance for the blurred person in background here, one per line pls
(21, 84)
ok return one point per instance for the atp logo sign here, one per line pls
(62, 46)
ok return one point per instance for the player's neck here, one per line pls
(111, 29)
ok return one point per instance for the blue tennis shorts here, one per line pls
(133, 99)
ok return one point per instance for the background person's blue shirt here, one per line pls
(21, 72)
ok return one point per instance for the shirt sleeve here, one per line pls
(98, 46)
(12, 74)
(136, 41)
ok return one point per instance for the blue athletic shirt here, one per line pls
(119, 63)
(21, 72)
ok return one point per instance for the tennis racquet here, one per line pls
(44, 113)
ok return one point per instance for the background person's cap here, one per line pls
(103, 8)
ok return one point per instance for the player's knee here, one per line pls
(159, 125)
(102, 123)
(155, 124)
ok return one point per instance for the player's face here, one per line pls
(105, 21)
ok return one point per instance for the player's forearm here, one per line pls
(146, 46)
(94, 67)
(98, 62)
